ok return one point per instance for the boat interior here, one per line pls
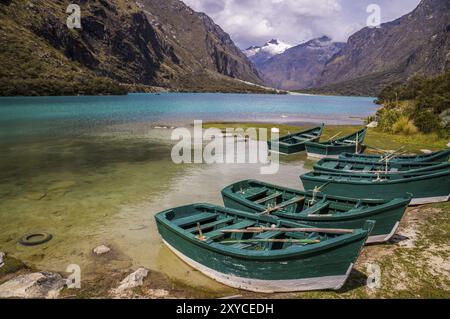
(218, 225)
(375, 166)
(298, 204)
(300, 137)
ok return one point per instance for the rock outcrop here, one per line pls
(417, 43)
(149, 42)
(34, 285)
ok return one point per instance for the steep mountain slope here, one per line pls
(152, 42)
(298, 67)
(417, 43)
(260, 54)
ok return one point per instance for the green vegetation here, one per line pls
(422, 103)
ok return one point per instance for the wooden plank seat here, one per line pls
(257, 193)
(315, 208)
(367, 168)
(265, 235)
(347, 167)
(301, 139)
(194, 219)
(216, 234)
(267, 198)
(210, 225)
(309, 135)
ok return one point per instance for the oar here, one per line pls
(288, 203)
(293, 241)
(391, 154)
(292, 230)
(336, 135)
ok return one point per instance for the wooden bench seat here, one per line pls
(265, 235)
(193, 219)
(215, 234)
(267, 198)
(210, 225)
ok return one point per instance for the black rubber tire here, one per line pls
(39, 239)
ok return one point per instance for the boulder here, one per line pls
(133, 280)
(35, 285)
(101, 250)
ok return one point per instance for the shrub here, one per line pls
(387, 118)
(426, 121)
(404, 126)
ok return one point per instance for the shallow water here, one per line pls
(91, 172)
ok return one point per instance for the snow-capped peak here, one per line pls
(269, 49)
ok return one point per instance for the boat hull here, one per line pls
(442, 156)
(325, 267)
(358, 167)
(287, 145)
(288, 149)
(317, 150)
(425, 189)
(266, 286)
(387, 217)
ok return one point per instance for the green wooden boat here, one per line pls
(294, 143)
(333, 147)
(441, 156)
(357, 167)
(317, 209)
(425, 187)
(260, 253)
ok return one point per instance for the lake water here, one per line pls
(95, 170)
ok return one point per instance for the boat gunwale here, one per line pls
(397, 159)
(429, 167)
(366, 181)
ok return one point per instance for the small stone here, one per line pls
(35, 285)
(157, 293)
(2, 255)
(102, 249)
(372, 124)
(133, 280)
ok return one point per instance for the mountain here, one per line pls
(147, 42)
(299, 66)
(260, 54)
(415, 44)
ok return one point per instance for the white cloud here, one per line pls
(253, 22)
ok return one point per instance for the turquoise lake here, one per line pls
(95, 170)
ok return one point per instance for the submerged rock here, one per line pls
(35, 285)
(35, 195)
(10, 265)
(102, 249)
(133, 280)
(2, 255)
(63, 185)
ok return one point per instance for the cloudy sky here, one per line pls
(254, 22)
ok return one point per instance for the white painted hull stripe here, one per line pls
(383, 238)
(428, 200)
(266, 286)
